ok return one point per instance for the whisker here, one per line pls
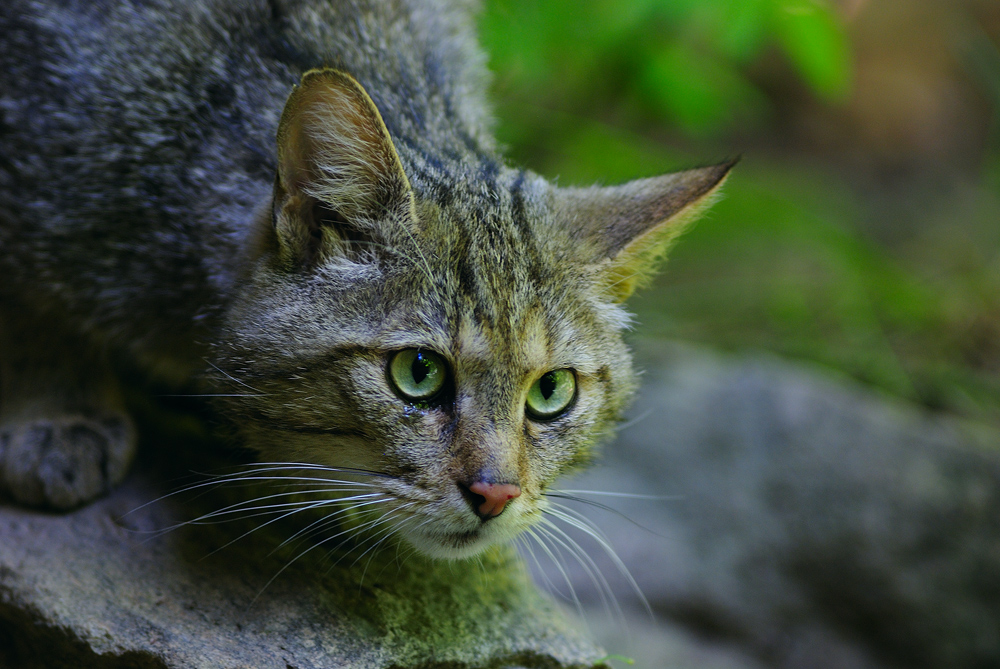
(478, 558)
(214, 395)
(233, 378)
(566, 513)
(583, 558)
(603, 507)
(538, 534)
(239, 514)
(381, 520)
(399, 547)
(240, 507)
(260, 527)
(299, 556)
(365, 529)
(557, 560)
(256, 467)
(627, 495)
(604, 590)
(210, 486)
(306, 507)
(217, 480)
(374, 549)
(633, 421)
(585, 526)
(525, 540)
(293, 490)
(321, 524)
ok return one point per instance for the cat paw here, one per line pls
(64, 462)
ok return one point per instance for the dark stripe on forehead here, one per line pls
(519, 214)
(493, 258)
(499, 244)
(464, 261)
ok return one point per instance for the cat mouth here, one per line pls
(462, 539)
(458, 540)
(451, 545)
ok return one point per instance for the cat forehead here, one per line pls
(495, 278)
(537, 342)
(493, 244)
(493, 321)
(484, 276)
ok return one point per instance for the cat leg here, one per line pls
(65, 437)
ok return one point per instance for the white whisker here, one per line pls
(240, 507)
(587, 527)
(559, 565)
(307, 507)
(233, 378)
(370, 526)
(321, 524)
(626, 495)
(597, 505)
(301, 554)
(251, 477)
(638, 419)
(608, 599)
(374, 549)
(215, 395)
(525, 540)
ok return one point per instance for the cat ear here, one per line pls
(340, 183)
(626, 229)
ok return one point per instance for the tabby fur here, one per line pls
(267, 199)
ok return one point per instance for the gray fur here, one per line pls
(141, 217)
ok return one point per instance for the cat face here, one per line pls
(443, 345)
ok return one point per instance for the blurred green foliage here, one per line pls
(606, 90)
(680, 61)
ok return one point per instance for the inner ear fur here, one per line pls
(625, 230)
(339, 177)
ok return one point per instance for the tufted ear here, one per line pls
(340, 185)
(625, 230)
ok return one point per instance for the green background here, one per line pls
(861, 232)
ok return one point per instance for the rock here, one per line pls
(99, 587)
(809, 521)
(653, 644)
(806, 522)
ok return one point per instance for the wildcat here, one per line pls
(299, 206)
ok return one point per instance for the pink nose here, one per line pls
(491, 498)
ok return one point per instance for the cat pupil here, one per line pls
(547, 385)
(420, 369)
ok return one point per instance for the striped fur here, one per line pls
(149, 213)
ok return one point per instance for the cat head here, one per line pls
(447, 336)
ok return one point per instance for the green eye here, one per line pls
(551, 394)
(417, 375)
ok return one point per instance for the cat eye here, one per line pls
(552, 394)
(417, 375)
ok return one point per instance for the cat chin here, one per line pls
(453, 546)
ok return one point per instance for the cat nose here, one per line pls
(489, 500)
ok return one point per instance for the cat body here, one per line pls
(299, 207)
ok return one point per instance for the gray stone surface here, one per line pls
(662, 644)
(809, 522)
(99, 588)
(805, 522)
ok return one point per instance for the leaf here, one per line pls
(816, 44)
(701, 93)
